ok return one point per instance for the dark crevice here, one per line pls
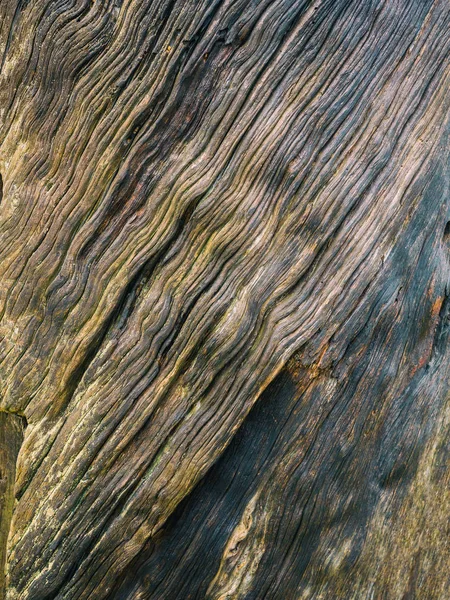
(447, 232)
(18, 414)
(12, 426)
(19, 8)
(24, 422)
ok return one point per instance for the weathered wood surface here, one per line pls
(224, 301)
(11, 438)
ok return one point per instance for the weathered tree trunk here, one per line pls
(224, 299)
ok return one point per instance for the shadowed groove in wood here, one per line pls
(201, 198)
(11, 437)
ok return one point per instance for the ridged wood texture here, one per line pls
(11, 437)
(224, 300)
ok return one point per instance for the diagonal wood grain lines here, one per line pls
(224, 298)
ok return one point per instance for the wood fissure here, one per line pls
(11, 437)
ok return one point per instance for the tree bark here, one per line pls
(224, 299)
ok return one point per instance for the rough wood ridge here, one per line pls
(225, 299)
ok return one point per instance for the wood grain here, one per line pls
(11, 438)
(224, 298)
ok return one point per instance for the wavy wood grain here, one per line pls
(224, 297)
